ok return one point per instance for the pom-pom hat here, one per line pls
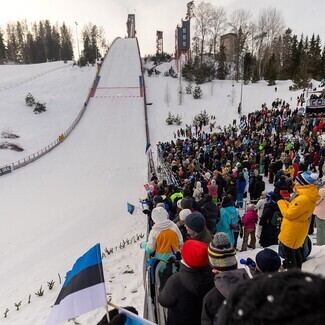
(221, 253)
(307, 178)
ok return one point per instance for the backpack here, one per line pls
(276, 219)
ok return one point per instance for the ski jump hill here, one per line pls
(59, 206)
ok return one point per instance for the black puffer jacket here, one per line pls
(183, 294)
(224, 283)
(270, 232)
(211, 213)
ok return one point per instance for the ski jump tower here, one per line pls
(130, 24)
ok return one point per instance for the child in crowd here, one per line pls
(249, 220)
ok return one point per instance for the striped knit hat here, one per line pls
(221, 253)
(307, 178)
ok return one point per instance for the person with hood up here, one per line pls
(184, 291)
(213, 190)
(228, 218)
(270, 221)
(210, 212)
(198, 192)
(164, 238)
(296, 218)
(227, 276)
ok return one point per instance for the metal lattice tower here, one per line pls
(159, 42)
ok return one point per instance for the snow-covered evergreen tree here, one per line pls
(197, 93)
(30, 100)
(201, 119)
(40, 108)
(170, 118)
(178, 120)
(188, 88)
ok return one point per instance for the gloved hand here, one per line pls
(146, 211)
(143, 244)
(120, 319)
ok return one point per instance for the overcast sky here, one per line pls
(151, 15)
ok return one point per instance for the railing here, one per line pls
(151, 165)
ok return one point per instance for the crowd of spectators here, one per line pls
(219, 194)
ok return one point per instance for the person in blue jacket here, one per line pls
(228, 218)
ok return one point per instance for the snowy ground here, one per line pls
(55, 209)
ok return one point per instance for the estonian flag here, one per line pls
(148, 148)
(131, 208)
(83, 289)
(133, 319)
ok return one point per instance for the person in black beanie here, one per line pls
(282, 298)
(195, 225)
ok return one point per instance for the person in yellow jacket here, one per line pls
(296, 218)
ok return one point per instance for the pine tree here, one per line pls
(170, 118)
(40, 42)
(30, 49)
(188, 88)
(66, 43)
(11, 43)
(20, 38)
(30, 100)
(271, 73)
(197, 93)
(222, 69)
(2, 49)
(39, 108)
(286, 55)
(178, 120)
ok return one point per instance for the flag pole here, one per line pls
(107, 314)
(113, 305)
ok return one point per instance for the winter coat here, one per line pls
(320, 207)
(204, 236)
(183, 294)
(213, 190)
(164, 238)
(228, 218)
(249, 219)
(296, 215)
(211, 214)
(241, 185)
(259, 187)
(224, 283)
(270, 232)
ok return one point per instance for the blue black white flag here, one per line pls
(148, 148)
(83, 289)
(131, 208)
(133, 319)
